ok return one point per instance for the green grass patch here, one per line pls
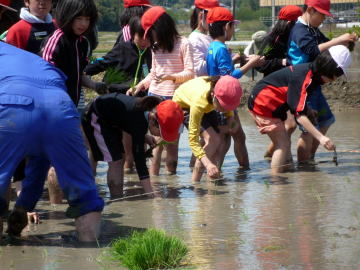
(152, 249)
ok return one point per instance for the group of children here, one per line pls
(169, 80)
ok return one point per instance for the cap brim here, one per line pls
(323, 11)
(9, 8)
(227, 106)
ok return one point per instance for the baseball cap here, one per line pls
(6, 4)
(290, 13)
(170, 117)
(206, 4)
(219, 14)
(150, 17)
(341, 56)
(322, 6)
(228, 92)
(134, 3)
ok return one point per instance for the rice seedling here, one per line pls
(152, 249)
(113, 76)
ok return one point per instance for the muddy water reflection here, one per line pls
(309, 220)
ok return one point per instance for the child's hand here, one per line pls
(236, 58)
(133, 91)
(164, 77)
(150, 140)
(212, 171)
(256, 60)
(101, 88)
(327, 143)
(346, 38)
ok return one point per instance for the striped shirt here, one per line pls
(178, 63)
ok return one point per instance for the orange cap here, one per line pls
(290, 13)
(219, 14)
(134, 3)
(170, 117)
(150, 17)
(206, 4)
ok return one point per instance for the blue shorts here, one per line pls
(39, 121)
(317, 102)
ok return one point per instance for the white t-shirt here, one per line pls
(200, 43)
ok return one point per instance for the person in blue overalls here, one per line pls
(39, 120)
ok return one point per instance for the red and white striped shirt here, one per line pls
(178, 63)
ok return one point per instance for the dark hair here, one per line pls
(166, 33)
(280, 31)
(130, 12)
(213, 80)
(325, 65)
(216, 29)
(135, 27)
(147, 103)
(67, 10)
(195, 17)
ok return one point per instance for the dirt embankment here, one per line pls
(341, 95)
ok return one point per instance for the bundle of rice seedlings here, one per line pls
(152, 249)
(113, 75)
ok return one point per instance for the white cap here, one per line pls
(341, 56)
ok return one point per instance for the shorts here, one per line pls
(105, 141)
(209, 120)
(317, 102)
(162, 97)
(267, 124)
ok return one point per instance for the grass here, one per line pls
(152, 249)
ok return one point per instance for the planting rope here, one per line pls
(355, 150)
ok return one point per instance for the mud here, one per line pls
(308, 218)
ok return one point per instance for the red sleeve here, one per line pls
(18, 35)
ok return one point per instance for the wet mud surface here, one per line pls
(307, 219)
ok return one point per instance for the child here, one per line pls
(289, 89)
(132, 58)
(172, 64)
(35, 25)
(212, 93)
(221, 28)
(305, 43)
(67, 49)
(103, 128)
(199, 39)
(274, 48)
(132, 8)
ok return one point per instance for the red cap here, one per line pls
(322, 6)
(170, 117)
(219, 14)
(6, 4)
(150, 17)
(290, 13)
(206, 4)
(228, 92)
(134, 3)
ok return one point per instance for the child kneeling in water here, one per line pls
(111, 114)
(288, 89)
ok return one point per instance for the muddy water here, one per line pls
(308, 219)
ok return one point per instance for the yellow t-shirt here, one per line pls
(192, 95)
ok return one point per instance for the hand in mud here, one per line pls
(327, 143)
(212, 171)
(17, 221)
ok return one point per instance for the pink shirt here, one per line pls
(178, 63)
